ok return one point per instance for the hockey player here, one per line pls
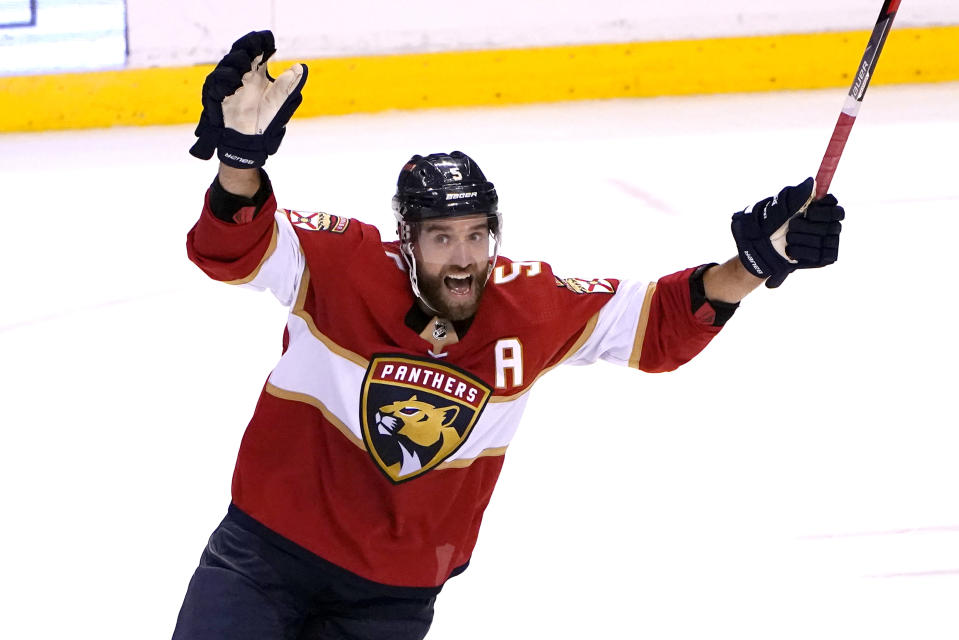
(362, 477)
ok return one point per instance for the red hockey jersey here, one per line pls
(376, 442)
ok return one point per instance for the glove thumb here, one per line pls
(797, 198)
(278, 95)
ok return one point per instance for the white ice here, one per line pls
(800, 479)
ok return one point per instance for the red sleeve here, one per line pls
(673, 334)
(227, 251)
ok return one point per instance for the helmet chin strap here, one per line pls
(492, 262)
(406, 248)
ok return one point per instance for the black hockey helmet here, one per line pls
(443, 185)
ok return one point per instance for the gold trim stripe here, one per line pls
(301, 313)
(294, 396)
(315, 403)
(465, 462)
(298, 310)
(637, 353)
(266, 256)
(496, 77)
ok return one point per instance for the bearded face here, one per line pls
(452, 257)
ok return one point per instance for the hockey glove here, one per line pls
(779, 235)
(245, 111)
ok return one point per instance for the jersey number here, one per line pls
(500, 276)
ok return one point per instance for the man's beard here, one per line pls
(448, 305)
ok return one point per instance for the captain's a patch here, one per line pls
(578, 285)
(416, 413)
(317, 221)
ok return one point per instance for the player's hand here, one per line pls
(778, 235)
(245, 111)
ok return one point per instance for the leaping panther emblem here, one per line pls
(417, 413)
(421, 424)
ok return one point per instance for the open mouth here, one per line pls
(460, 285)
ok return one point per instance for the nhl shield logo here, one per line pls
(415, 413)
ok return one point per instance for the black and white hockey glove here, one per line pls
(778, 235)
(245, 111)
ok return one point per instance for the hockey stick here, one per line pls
(847, 117)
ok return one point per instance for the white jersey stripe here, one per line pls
(310, 371)
(311, 368)
(619, 333)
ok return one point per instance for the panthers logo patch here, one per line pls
(317, 221)
(416, 413)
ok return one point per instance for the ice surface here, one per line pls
(798, 480)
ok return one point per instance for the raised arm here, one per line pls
(240, 237)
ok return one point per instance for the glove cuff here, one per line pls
(756, 252)
(241, 151)
(761, 261)
(247, 151)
